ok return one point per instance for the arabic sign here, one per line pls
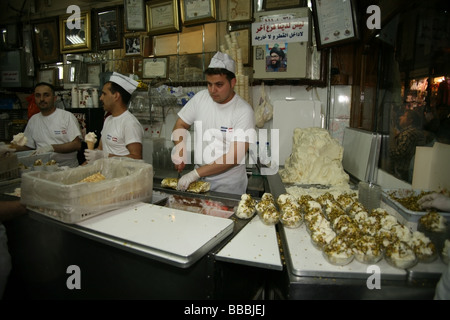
(293, 30)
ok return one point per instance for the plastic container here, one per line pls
(400, 255)
(61, 196)
(9, 167)
(389, 196)
(368, 250)
(28, 158)
(338, 252)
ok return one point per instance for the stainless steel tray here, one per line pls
(304, 259)
(410, 215)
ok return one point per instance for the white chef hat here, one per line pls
(222, 60)
(125, 82)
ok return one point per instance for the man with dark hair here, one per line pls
(403, 146)
(276, 62)
(122, 133)
(52, 130)
(223, 127)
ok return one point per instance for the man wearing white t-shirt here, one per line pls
(223, 127)
(122, 134)
(52, 130)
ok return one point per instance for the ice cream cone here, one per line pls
(90, 145)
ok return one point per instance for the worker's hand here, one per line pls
(187, 179)
(92, 155)
(44, 149)
(435, 200)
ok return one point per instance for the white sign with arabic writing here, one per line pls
(295, 30)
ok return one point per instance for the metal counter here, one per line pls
(309, 276)
(43, 249)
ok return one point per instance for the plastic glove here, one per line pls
(92, 155)
(187, 179)
(435, 200)
(44, 149)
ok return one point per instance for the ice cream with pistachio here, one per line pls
(91, 140)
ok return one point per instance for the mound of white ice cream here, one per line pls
(19, 139)
(316, 158)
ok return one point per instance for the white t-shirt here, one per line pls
(120, 131)
(58, 128)
(216, 126)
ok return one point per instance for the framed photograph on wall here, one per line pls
(133, 44)
(197, 11)
(162, 17)
(109, 28)
(46, 41)
(239, 10)
(155, 68)
(75, 33)
(135, 15)
(282, 4)
(335, 22)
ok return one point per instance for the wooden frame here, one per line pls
(162, 17)
(47, 75)
(46, 41)
(109, 27)
(72, 38)
(239, 10)
(282, 4)
(155, 68)
(197, 11)
(134, 44)
(135, 15)
(340, 25)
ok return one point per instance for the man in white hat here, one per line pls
(52, 130)
(223, 127)
(122, 134)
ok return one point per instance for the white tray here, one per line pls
(306, 260)
(169, 235)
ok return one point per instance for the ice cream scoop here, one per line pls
(19, 139)
(91, 140)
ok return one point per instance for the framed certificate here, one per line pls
(154, 68)
(239, 10)
(282, 4)
(135, 15)
(335, 22)
(162, 17)
(197, 11)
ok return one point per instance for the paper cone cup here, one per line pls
(90, 145)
